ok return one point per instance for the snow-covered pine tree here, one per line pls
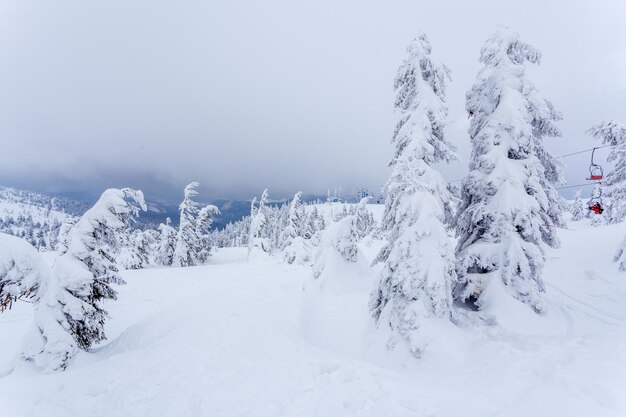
(312, 223)
(415, 283)
(363, 218)
(296, 218)
(22, 270)
(258, 222)
(134, 250)
(167, 243)
(203, 225)
(319, 221)
(613, 133)
(293, 234)
(150, 240)
(509, 204)
(578, 207)
(69, 314)
(188, 241)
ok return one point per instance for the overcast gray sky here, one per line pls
(290, 95)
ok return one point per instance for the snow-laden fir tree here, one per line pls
(258, 223)
(192, 242)
(150, 239)
(578, 207)
(415, 283)
(296, 220)
(293, 235)
(614, 185)
(317, 222)
(277, 222)
(134, 250)
(203, 225)
(312, 223)
(22, 270)
(69, 313)
(164, 251)
(509, 203)
(187, 243)
(363, 218)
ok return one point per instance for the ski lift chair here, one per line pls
(595, 205)
(595, 170)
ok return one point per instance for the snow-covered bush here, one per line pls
(339, 239)
(69, 314)
(22, 270)
(298, 251)
(415, 283)
(578, 207)
(509, 203)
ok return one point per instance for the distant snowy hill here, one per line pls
(34, 217)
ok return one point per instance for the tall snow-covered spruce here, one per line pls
(613, 133)
(509, 202)
(415, 284)
(69, 313)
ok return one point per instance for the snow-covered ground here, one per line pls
(264, 338)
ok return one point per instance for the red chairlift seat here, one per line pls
(595, 173)
(595, 170)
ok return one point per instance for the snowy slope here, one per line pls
(264, 339)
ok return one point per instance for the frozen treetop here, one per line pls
(420, 86)
(505, 45)
(190, 190)
(419, 65)
(112, 204)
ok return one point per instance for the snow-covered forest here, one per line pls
(495, 294)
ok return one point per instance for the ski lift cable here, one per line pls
(575, 186)
(562, 156)
(584, 150)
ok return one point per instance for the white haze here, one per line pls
(242, 95)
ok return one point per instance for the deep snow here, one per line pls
(264, 338)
